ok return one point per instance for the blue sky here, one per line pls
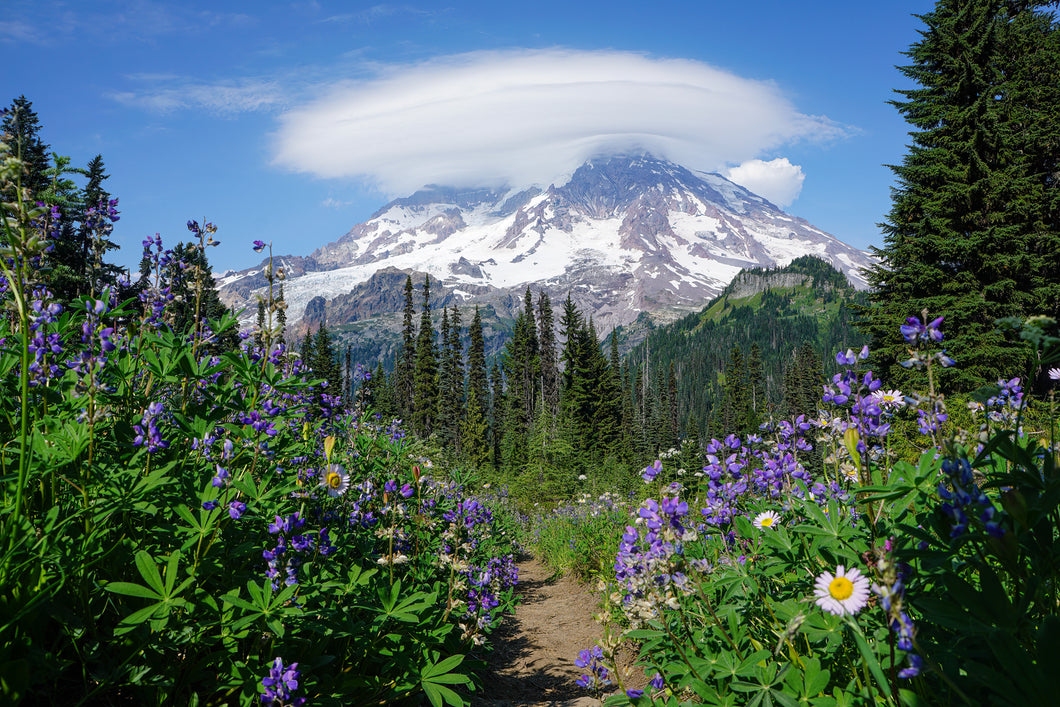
(290, 122)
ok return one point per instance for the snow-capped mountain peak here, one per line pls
(624, 234)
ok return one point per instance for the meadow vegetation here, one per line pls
(191, 523)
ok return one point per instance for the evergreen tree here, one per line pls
(625, 408)
(64, 262)
(403, 368)
(454, 394)
(450, 381)
(190, 279)
(445, 426)
(380, 393)
(22, 128)
(802, 383)
(425, 373)
(735, 415)
(477, 377)
(546, 341)
(974, 229)
(325, 360)
(348, 375)
(305, 353)
(756, 388)
(571, 323)
(520, 365)
(281, 314)
(474, 431)
(259, 327)
(93, 232)
(497, 407)
(671, 399)
(630, 429)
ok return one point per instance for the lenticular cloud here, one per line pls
(524, 117)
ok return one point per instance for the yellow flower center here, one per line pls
(334, 480)
(766, 522)
(841, 588)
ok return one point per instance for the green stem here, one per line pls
(717, 622)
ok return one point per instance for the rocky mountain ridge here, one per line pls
(623, 235)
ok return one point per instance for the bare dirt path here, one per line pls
(532, 664)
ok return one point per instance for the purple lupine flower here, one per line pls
(280, 684)
(598, 676)
(652, 471)
(259, 246)
(915, 665)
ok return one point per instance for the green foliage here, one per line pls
(974, 226)
(790, 326)
(948, 559)
(179, 520)
(579, 536)
(425, 373)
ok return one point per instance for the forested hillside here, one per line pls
(762, 345)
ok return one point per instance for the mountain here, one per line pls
(623, 235)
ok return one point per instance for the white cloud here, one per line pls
(333, 203)
(778, 180)
(166, 93)
(525, 116)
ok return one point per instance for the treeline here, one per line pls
(737, 363)
(80, 218)
(79, 223)
(552, 407)
(557, 405)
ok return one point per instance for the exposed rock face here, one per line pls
(749, 284)
(623, 235)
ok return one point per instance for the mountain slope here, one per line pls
(779, 310)
(623, 235)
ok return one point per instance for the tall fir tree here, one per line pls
(63, 262)
(756, 388)
(325, 360)
(454, 394)
(520, 365)
(974, 229)
(425, 371)
(404, 366)
(281, 315)
(190, 281)
(802, 382)
(93, 232)
(21, 126)
(546, 343)
(477, 375)
(671, 399)
(446, 427)
(497, 407)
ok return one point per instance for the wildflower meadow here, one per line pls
(191, 515)
(185, 523)
(917, 567)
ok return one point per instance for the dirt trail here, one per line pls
(532, 664)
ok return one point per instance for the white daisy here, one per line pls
(1054, 373)
(845, 592)
(335, 479)
(766, 519)
(889, 399)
